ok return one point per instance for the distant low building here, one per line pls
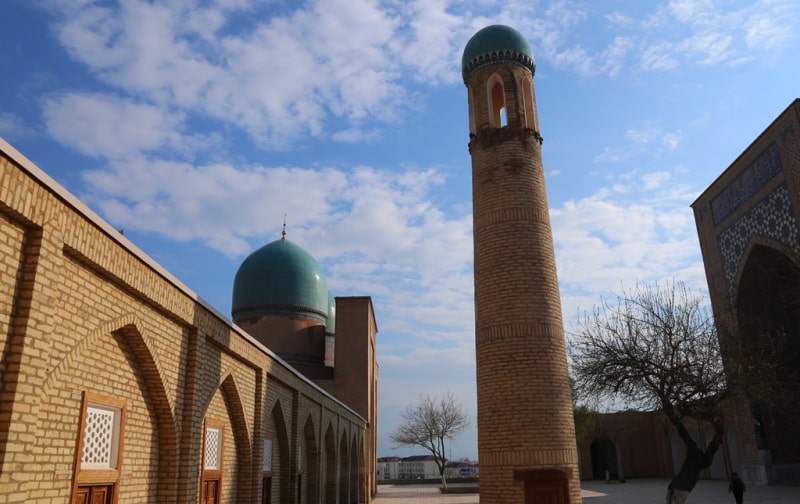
(388, 468)
(462, 469)
(413, 467)
(418, 467)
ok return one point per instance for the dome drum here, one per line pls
(503, 56)
(279, 310)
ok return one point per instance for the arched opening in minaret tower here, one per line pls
(529, 102)
(497, 102)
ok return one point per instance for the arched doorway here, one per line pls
(768, 316)
(604, 458)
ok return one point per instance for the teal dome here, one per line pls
(496, 44)
(280, 279)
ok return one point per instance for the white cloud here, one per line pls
(707, 48)
(642, 135)
(615, 55)
(639, 141)
(340, 68)
(672, 140)
(659, 57)
(13, 127)
(605, 240)
(217, 204)
(551, 32)
(280, 79)
(619, 19)
(614, 155)
(771, 30)
(110, 126)
(359, 213)
(690, 11)
(355, 135)
(434, 38)
(654, 180)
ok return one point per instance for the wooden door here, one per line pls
(266, 490)
(98, 494)
(544, 486)
(210, 491)
(545, 492)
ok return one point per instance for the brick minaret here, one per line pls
(526, 433)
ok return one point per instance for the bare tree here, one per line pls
(429, 423)
(657, 349)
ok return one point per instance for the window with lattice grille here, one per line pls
(100, 443)
(100, 437)
(213, 455)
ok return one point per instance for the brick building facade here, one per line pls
(644, 444)
(749, 229)
(118, 384)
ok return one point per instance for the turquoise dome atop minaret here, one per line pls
(280, 279)
(496, 44)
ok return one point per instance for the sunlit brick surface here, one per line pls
(82, 310)
(524, 406)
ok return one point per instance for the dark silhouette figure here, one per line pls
(737, 487)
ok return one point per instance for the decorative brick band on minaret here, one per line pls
(526, 433)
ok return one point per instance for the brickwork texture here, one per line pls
(525, 424)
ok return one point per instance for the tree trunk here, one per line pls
(444, 481)
(684, 482)
(677, 496)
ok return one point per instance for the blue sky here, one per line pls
(196, 125)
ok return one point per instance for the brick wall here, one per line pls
(83, 310)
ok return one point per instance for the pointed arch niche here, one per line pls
(276, 476)
(330, 467)
(344, 473)
(311, 462)
(497, 102)
(121, 351)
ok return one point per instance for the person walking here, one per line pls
(737, 488)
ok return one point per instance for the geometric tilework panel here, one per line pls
(99, 438)
(772, 218)
(212, 457)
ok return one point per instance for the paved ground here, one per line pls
(639, 491)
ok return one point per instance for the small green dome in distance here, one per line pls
(496, 44)
(280, 279)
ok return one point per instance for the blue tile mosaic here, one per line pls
(747, 183)
(773, 218)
